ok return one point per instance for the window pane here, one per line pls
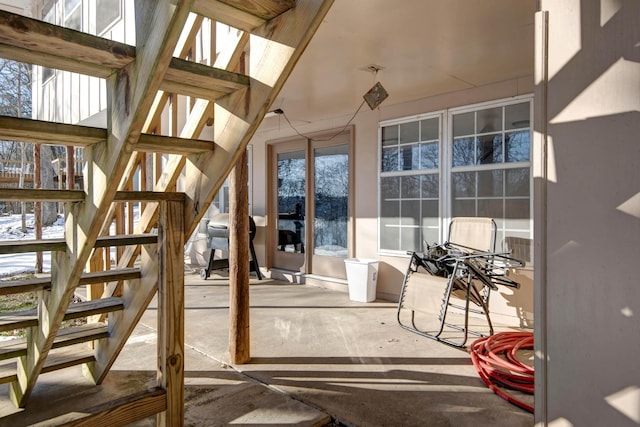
(74, 21)
(291, 201)
(430, 186)
(463, 208)
(390, 211)
(463, 124)
(463, 152)
(490, 120)
(430, 212)
(490, 149)
(518, 146)
(430, 129)
(490, 208)
(107, 12)
(516, 116)
(490, 183)
(390, 187)
(410, 239)
(389, 135)
(410, 212)
(518, 181)
(409, 157)
(517, 209)
(69, 5)
(390, 238)
(464, 184)
(331, 167)
(429, 155)
(389, 159)
(410, 187)
(409, 132)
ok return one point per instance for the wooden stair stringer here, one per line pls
(131, 91)
(275, 48)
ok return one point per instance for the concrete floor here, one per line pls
(317, 358)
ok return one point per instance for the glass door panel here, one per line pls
(331, 200)
(291, 190)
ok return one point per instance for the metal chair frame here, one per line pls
(474, 272)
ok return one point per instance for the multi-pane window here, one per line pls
(480, 168)
(491, 167)
(410, 184)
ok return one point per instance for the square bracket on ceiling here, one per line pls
(375, 96)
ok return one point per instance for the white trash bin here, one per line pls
(362, 277)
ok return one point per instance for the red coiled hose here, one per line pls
(507, 370)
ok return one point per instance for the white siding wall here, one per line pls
(587, 287)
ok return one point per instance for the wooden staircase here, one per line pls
(234, 94)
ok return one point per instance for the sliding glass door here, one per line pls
(310, 205)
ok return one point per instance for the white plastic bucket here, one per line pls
(362, 277)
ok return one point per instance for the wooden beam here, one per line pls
(239, 336)
(42, 132)
(200, 81)
(242, 15)
(38, 42)
(41, 195)
(172, 145)
(122, 411)
(171, 311)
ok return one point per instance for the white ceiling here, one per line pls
(424, 47)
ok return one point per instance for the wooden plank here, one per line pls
(13, 348)
(79, 334)
(24, 246)
(18, 320)
(40, 195)
(125, 240)
(122, 411)
(22, 286)
(48, 45)
(171, 312)
(44, 132)
(148, 196)
(239, 331)
(243, 15)
(172, 145)
(221, 12)
(109, 276)
(67, 357)
(45, 245)
(36, 284)
(92, 307)
(200, 81)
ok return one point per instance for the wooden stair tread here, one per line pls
(46, 245)
(68, 336)
(45, 132)
(38, 43)
(29, 285)
(91, 307)
(56, 360)
(28, 318)
(22, 286)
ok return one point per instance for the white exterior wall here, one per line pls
(391, 268)
(587, 223)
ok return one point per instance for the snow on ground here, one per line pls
(11, 229)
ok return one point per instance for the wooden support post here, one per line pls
(171, 311)
(239, 336)
(71, 168)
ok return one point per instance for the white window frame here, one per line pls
(446, 168)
